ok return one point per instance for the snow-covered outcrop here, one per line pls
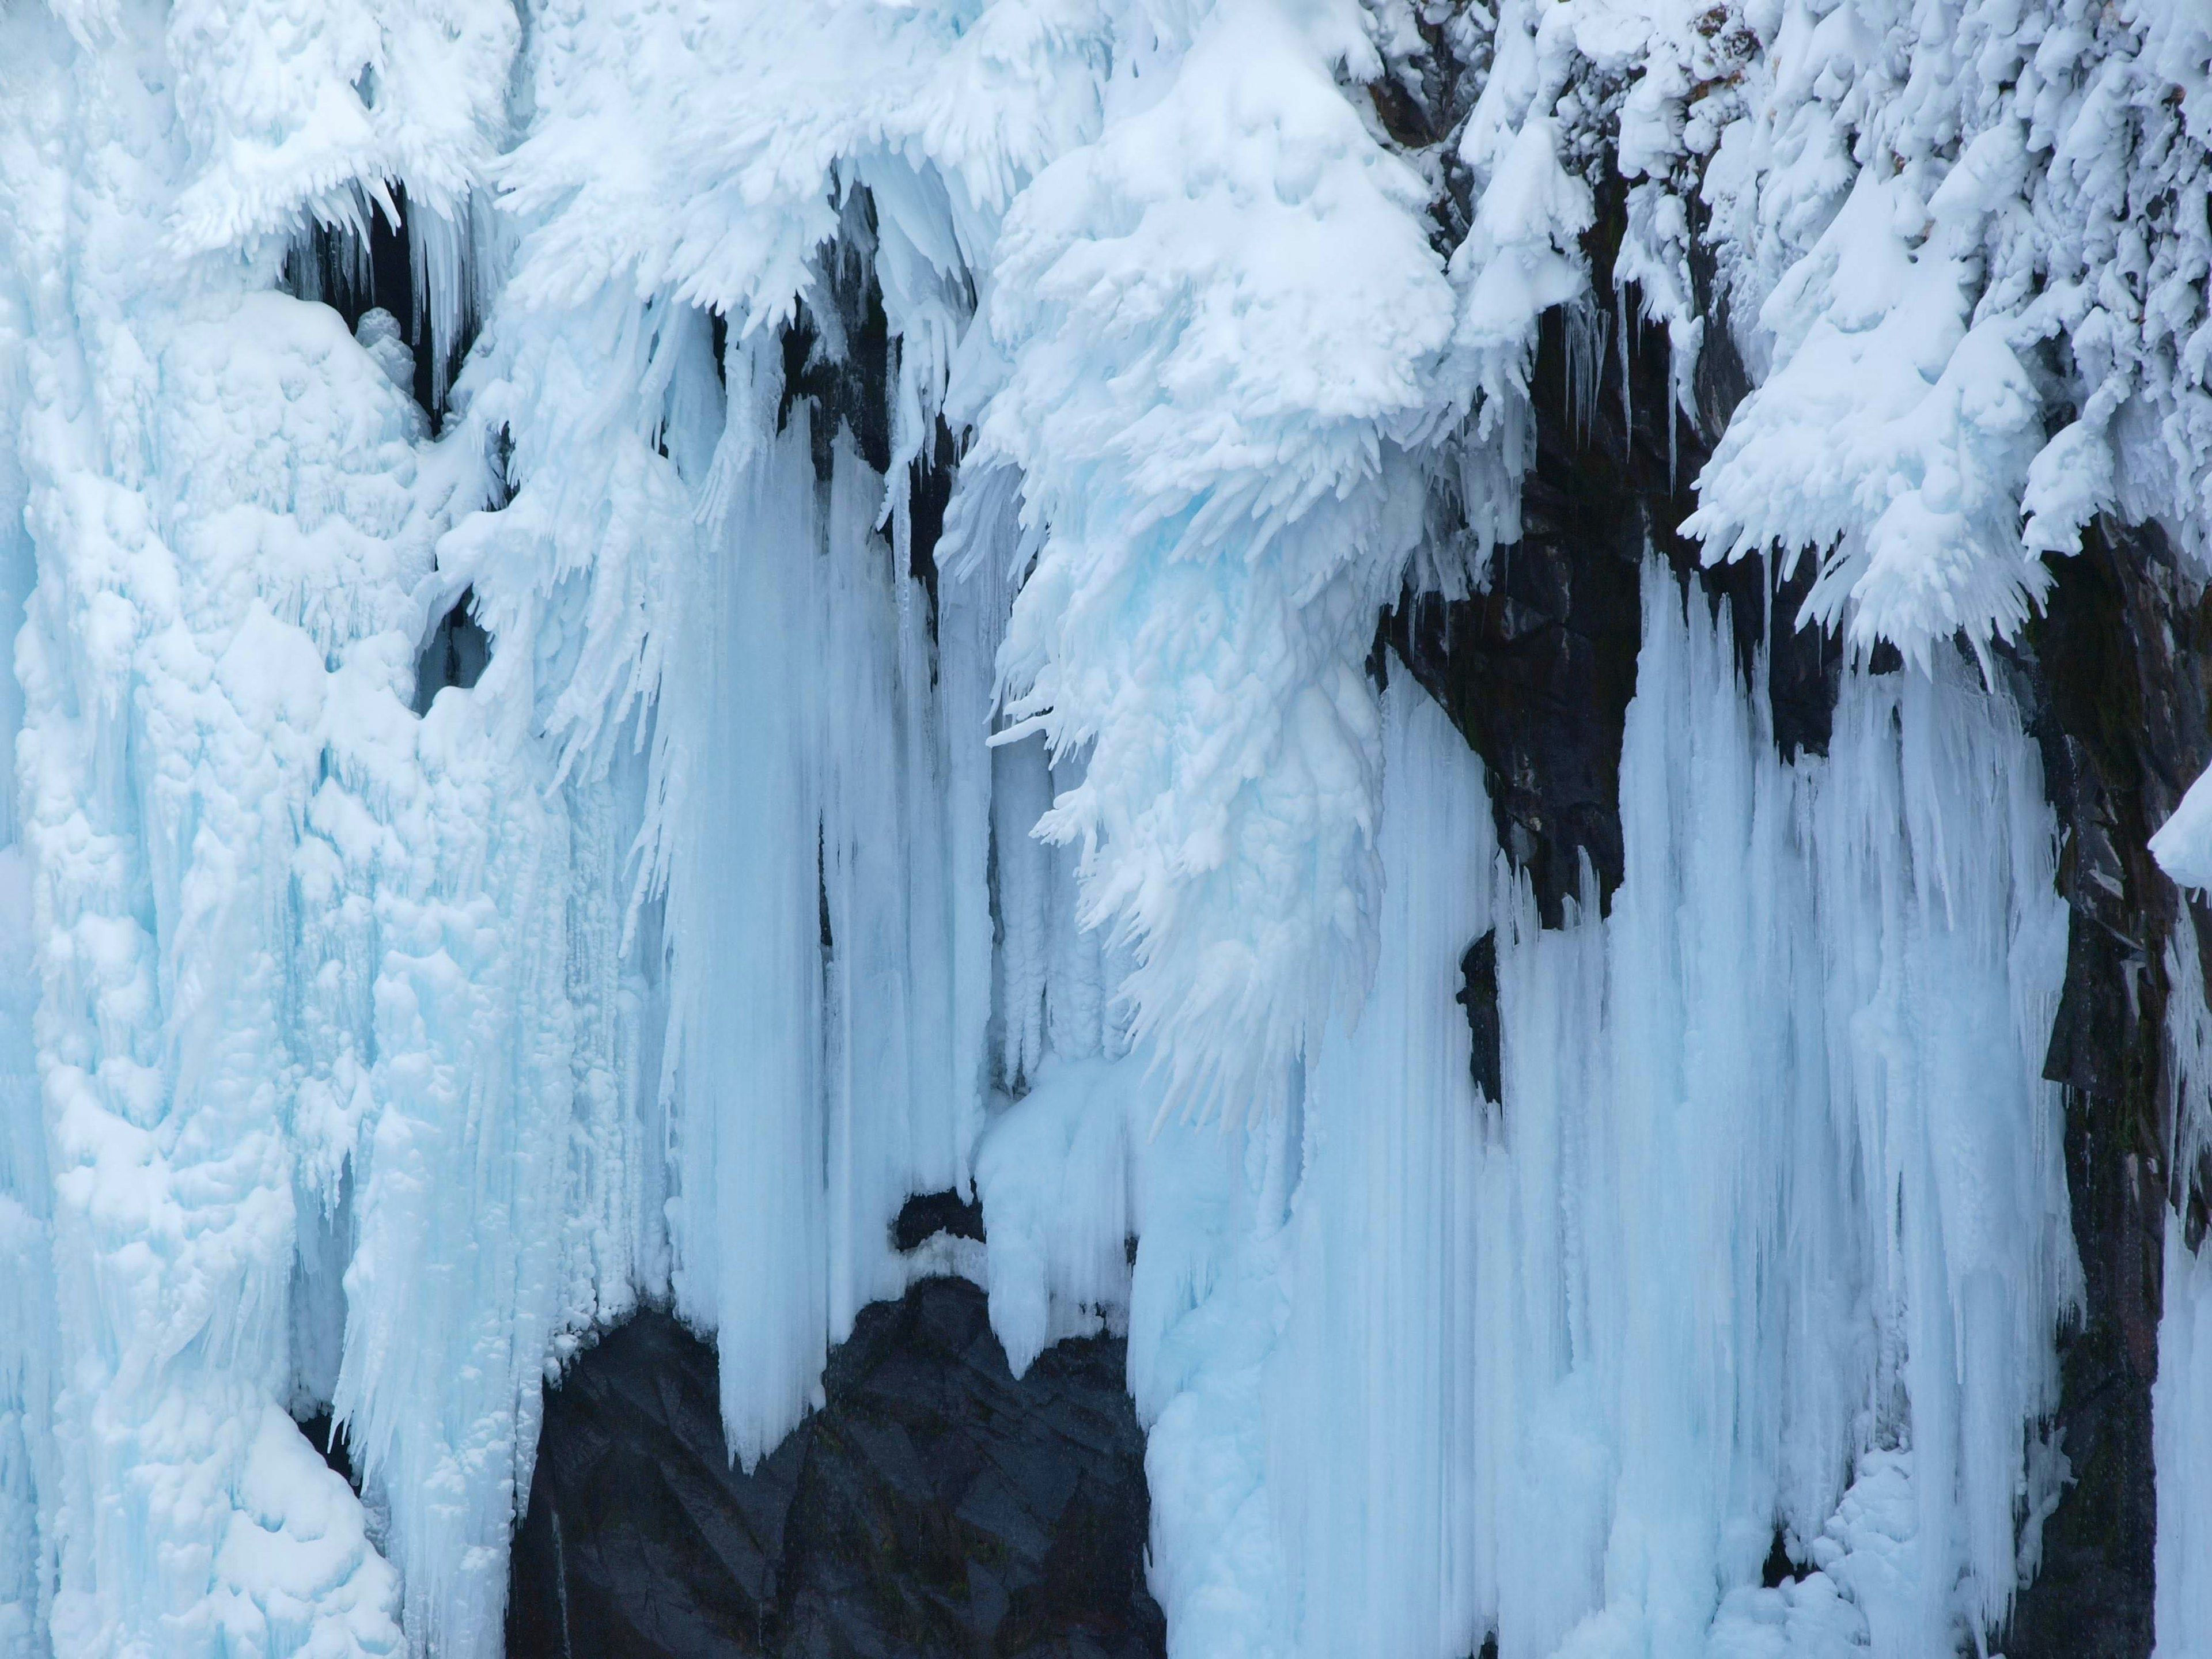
(926, 481)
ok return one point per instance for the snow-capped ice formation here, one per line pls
(1420, 1365)
(811, 840)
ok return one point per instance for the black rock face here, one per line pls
(935, 1509)
(925, 1215)
(1478, 995)
(2115, 675)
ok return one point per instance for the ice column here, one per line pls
(1769, 1232)
(2181, 1399)
(828, 905)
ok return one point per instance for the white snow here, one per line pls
(2183, 844)
(1911, 201)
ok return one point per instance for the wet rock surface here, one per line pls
(934, 1506)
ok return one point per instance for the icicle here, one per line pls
(1558, 1373)
(1583, 364)
(747, 975)
(2181, 1448)
(1626, 352)
(2181, 1397)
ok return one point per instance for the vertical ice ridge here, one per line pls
(830, 985)
(379, 1058)
(1764, 1234)
(2181, 1397)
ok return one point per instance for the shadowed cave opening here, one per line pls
(457, 652)
(374, 265)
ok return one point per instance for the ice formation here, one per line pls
(1420, 1365)
(2181, 1401)
(927, 475)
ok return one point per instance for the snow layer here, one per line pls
(1939, 229)
(365, 1050)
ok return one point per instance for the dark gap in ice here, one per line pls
(836, 353)
(1779, 1569)
(502, 469)
(330, 267)
(929, 492)
(925, 1215)
(330, 1442)
(1478, 995)
(456, 654)
(1378, 654)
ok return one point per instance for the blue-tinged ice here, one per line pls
(1765, 1236)
(364, 1046)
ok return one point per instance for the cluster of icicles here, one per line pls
(362, 1049)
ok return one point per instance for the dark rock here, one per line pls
(933, 1507)
(2115, 675)
(838, 360)
(1478, 995)
(1537, 671)
(926, 1214)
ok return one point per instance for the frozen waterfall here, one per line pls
(643, 631)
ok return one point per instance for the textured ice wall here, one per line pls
(826, 840)
(222, 494)
(291, 944)
(26, 1352)
(2181, 1398)
(359, 1080)
(1768, 1233)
